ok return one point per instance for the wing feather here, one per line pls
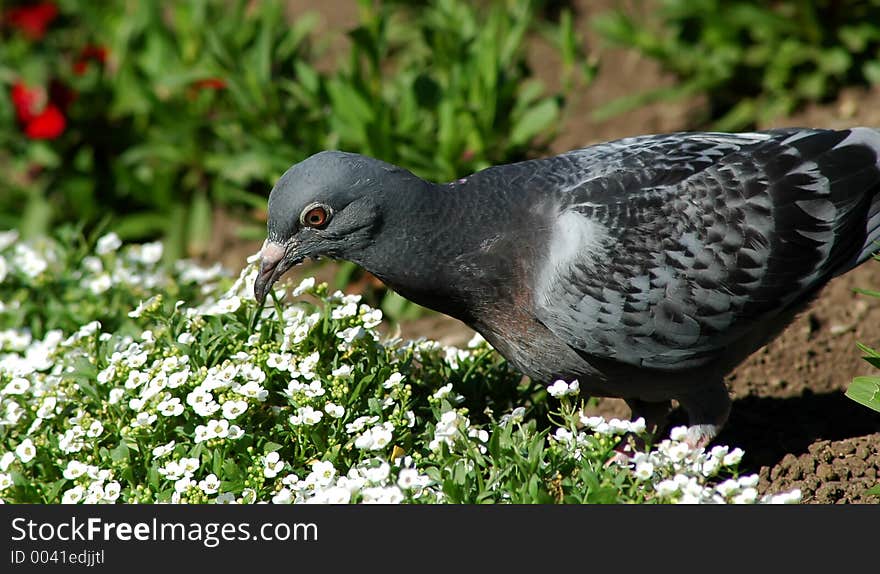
(693, 238)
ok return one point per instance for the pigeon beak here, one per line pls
(271, 268)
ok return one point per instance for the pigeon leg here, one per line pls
(707, 407)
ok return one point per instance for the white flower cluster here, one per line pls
(196, 380)
(373, 481)
(682, 474)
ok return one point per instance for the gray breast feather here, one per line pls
(689, 241)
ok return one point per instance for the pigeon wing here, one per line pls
(675, 246)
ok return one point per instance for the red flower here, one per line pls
(27, 101)
(210, 84)
(32, 21)
(41, 119)
(47, 125)
(89, 53)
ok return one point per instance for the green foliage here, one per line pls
(866, 390)
(206, 103)
(754, 61)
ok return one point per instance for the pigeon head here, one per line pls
(328, 205)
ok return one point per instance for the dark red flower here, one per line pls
(32, 21)
(90, 53)
(39, 118)
(60, 94)
(47, 125)
(210, 84)
(27, 101)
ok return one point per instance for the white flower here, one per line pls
(394, 381)
(225, 498)
(283, 496)
(305, 286)
(112, 490)
(371, 318)
(5, 481)
(143, 419)
(100, 284)
(382, 495)
(322, 473)
(408, 478)
(74, 469)
(108, 244)
(73, 495)
(163, 450)
(26, 450)
(233, 409)
(235, 432)
(560, 388)
(189, 465)
(378, 473)
(253, 390)
(272, 465)
(6, 460)
(47, 408)
(443, 391)
(182, 484)
(33, 265)
(151, 253)
(201, 434)
(93, 264)
(115, 396)
(218, 428)
(306, 416)
(748, 481)
(336, 495)
(678, 433)
(679, 451)
(186, 338)
(210, 484)
(792, 497)
(347, 310)
(733, 457)
(334, 410)
(343, 371)
(359, 423)
(666, 487)
(747, 496)
(644, 470)
(727, 488)
(7, 238)
(95, 429)
(171, 407)
(351, 334)
(16, 386)
(229, 304)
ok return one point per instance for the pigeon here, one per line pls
(646, 268)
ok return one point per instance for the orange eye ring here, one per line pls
(315, 216)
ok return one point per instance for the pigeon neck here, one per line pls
(435, 246)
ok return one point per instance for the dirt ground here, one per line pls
(789, 413)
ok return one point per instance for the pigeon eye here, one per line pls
(315, 216)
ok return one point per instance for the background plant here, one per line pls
(167, 111)
(753, 61)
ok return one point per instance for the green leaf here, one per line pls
(865, 391)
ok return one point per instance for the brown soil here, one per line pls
(789, 412)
